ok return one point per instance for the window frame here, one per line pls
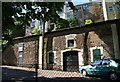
(71, 37)
(96, 47)
(20, 53)
(70, 43)
(54, 57)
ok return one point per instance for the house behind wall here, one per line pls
(64, 49)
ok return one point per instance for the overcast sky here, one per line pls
(76, 2)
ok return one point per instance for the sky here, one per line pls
(76, 2)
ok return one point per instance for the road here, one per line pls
(18, 75)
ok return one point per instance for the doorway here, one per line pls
(70, 61)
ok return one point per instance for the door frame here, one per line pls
(80, 57)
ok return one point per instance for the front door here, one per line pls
(70, 61)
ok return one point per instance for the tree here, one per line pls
(73, 22)
(7, 24)
(13, 11)
(36, 30)
(61, 24)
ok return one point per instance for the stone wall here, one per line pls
(101, 37)
(9, 56)
(30, 47)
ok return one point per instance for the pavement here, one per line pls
(22, 74)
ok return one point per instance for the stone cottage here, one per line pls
(68, 49)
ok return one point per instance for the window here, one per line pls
(71, 43)
(70, 40)
(105, 62)
(51, 58)
(21, 44)
(110, 8)
(100, 4)
(96, 54)
(85, 7)
(118, 7)
(20, 53)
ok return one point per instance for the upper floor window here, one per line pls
(100, 4)
(70, 40)
(110, 8)
(71, 43)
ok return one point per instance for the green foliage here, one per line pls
(45, 11)
(36, 31)
(3, 43)
(73, 22)
(61, 24)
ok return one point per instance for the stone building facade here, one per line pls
(67, 49)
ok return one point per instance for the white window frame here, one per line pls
(93, 48)
(55, 58)
(70, 37)
(20, 46)
(20, 50)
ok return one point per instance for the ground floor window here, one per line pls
(20, 53)
(20, 57)
(51, 58)
(96, 53)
